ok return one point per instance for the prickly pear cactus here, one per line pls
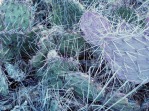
(93, 30)
(115, 101)
(3, 83)
(14, 72)
(66, 12)
(83, 86)
(10, 45)
(46, 65)
(15, 15)
(125, 13)
(54, 66)
(54, 105)
(88, 2)
(127, 54)
(16, 21)
(71, 44)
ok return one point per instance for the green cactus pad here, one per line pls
(37, 60)
(14, 72)
(66, 12)
(115, 101)
(3, 83)
(127, 14)
(10, 45)
(71, 44)
(83, 86)
(15, 15)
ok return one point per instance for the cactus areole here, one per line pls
(127, 55)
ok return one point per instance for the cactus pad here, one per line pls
(127, 54)
(66, 12)
(15, 15)
(3, 83)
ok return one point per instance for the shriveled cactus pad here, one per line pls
(127, 54)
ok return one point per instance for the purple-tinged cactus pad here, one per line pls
(94, 27)
(127, 54)
(147, 27)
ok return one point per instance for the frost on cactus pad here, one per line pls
(128, 55)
